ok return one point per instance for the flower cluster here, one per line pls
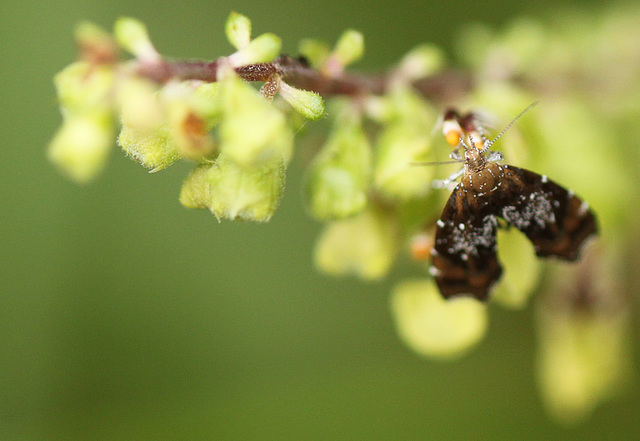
(363, 184)
(241, 142)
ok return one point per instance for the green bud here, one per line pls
(421, 61)
(96, 45)
(263, 49)
(253, 131)
(433, 326)
(132, 35)
(399, 152)
(308, 103)
(402, 145)
(189, 131)
(349, 48)
(315, 51)
(195, 192)
(249, 194)
(85, 88)
(155, 148)
(339, 177)
(522, 269)
(364, 245)
(207, 102)
(140, 106)
(583, 360)
(187, 121)
(238, 30)
(88, 32)
(81, 146)
(584, 328)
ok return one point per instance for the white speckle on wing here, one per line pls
(584, 206)
(535, 209)
(466, 241)
(440, 223)
(544, 179)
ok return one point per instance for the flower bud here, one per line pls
(187, 121)
(80, 147)
(402, 145)
(207, 102)
(521, 269)
(85, 88)
(132, 35)
(338, 179)
(305, 102)
(189, 131)
(583, 359)
(315, 51)
(140, 106)
(238, 30)
(245, 193)
(421, 62)
(364, 245)
(262, 49)
(95, 44)
(195, 192)
(433, 326)
(584, 328)
(253, 131)
(154, 148)
(349, 48)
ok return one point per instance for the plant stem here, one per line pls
(442, 87)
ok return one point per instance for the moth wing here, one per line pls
(555, 220)
(464, 255)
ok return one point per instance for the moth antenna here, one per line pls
(482, 133)
(458, 161)
(464, 144)
(466, 147)
(488, 144)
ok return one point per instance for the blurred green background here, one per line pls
(124, 316)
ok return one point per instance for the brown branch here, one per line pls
(445, 86)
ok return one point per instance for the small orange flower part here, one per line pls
(95, 45)
(456, 127)
(421, 245)
(193, 138)
(451, 128)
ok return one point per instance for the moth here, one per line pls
(555, 220)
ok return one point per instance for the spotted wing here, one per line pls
(553, 218)
(464, 255)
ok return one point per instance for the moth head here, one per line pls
(460, 129)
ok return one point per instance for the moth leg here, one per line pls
(444, 183)
(495, 156)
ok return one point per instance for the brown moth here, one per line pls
(464, 254)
